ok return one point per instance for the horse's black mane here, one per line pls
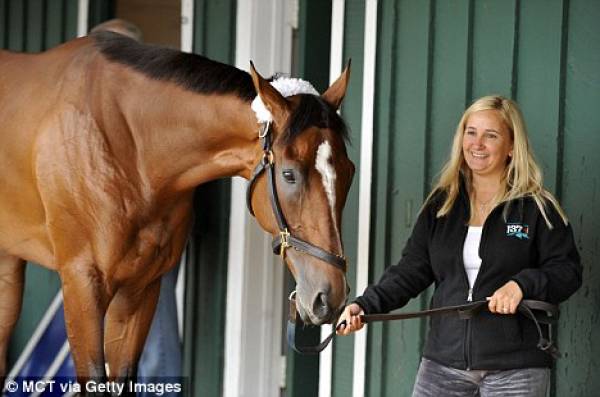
(314, 111)
(199, 74)
(191, 71)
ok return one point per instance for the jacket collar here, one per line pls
(516, 208)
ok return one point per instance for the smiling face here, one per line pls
(487, 143)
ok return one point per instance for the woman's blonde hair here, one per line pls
(522, 176)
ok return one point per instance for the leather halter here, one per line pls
(284, 239)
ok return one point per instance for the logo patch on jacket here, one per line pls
(517, 230)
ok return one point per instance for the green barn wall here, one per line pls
(578, 182)
(36, 25)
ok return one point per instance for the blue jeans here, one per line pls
(435, 380)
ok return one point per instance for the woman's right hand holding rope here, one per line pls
(350, 320)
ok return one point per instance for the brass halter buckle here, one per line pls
(284, 234)
(268, 157)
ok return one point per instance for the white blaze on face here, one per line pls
(325, 168)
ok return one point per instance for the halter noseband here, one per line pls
(284, 239)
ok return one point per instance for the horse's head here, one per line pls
(311, 174)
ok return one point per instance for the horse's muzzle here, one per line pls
(320, 311)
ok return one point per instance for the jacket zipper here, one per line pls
(468, 344)
(482, 244)
(467, 338)
(468, 331)
(470, 299)
(468, 334)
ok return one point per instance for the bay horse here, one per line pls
(103, 140)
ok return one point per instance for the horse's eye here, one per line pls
(289, 176)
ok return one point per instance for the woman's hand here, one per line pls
(351, 315)
(506, 299)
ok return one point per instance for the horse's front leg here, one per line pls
(127, 324)
(12, 278)
(85, 302)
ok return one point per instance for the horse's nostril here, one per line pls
(321, 306)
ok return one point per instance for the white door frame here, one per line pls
(83, 7)
(253, 362)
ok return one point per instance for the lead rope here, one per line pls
(548, 316)
(543, 344)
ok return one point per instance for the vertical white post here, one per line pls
(336, 61)
(187, 25)
(255, 281)
(186, 45)
(335, 69)
(234, 318)
(83, 7)
(364, 204)
(238, 231)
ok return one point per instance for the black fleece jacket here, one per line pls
(543, 261)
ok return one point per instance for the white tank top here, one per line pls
(471, 257)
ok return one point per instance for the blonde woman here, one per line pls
(488, 230)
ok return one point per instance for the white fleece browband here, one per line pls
(287, 86)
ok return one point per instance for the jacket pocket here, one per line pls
(496, 334)
(512, 329)
(445, 342)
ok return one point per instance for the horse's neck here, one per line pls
(184, 138)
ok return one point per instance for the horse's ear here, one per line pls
(273, 100)
(336, 92)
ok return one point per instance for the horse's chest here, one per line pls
(155, 249)
(157, 240)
